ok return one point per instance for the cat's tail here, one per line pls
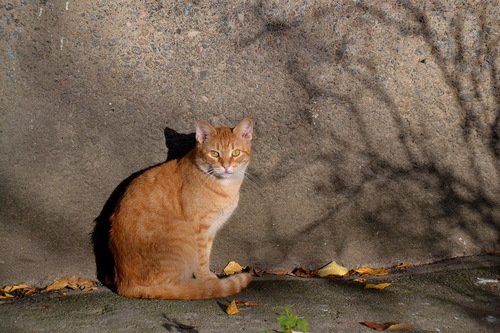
(190, 289)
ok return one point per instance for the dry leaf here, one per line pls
(400, 327)
(304, 273)
(360, 280)
(333, 269)
(403, 265)
(71, 282)
(232, 308)
(56, 285)
(5, 295)
(232, 267)
(377, 286)
(257, 272)
(375, 326)
(9, 289)
(371, 271)
(246, 303)
(387, 326)
(16, 290)
(86, 285)
(279, 273)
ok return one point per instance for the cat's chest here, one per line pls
(220, 216)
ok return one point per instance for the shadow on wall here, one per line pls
(425, 196)
(178, 145)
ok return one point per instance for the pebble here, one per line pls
(136, 50)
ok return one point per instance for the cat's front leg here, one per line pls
(204, 244)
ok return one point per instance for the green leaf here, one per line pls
(288, 321)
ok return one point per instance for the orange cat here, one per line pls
(163, 228)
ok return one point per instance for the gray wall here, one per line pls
(377, 124)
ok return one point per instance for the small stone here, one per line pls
(491, 319)
(136, 50)
(9, 6)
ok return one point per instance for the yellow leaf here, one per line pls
(377, 286)
(232, 308)
(9, 289)
(232, 267)
(371, 271)
(6, 295)
(56, 285)
(71, 282)
(333, 269)
(360, 280)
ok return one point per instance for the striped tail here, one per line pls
(189, 289)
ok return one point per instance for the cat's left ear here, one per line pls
(244, 129)
(203, 131)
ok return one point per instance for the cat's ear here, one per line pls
(203, 131)
(244, 129)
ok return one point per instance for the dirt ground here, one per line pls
(449, 296)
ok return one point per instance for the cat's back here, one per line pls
(164, 176)
(155, 190)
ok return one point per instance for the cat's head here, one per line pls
(224, 153)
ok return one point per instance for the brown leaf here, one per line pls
(278, 272)
(371, 271)
(400, 327)
(387, 326)
(56, 285)
(72, 282)
(232, 308)
(304, 273)
(17, 290)
(257, 272)
(246, 303)
(375, 326)
(403, 265)
(377, 286)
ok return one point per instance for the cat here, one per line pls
(163, 227)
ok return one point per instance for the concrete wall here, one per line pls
(377, 124)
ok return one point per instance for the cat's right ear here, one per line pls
(203, 131)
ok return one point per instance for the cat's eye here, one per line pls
(235, 153)
(214, 153)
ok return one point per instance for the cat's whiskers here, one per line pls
(251, 180)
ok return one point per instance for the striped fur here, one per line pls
(163, 228)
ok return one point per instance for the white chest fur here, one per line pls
(220, 217)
